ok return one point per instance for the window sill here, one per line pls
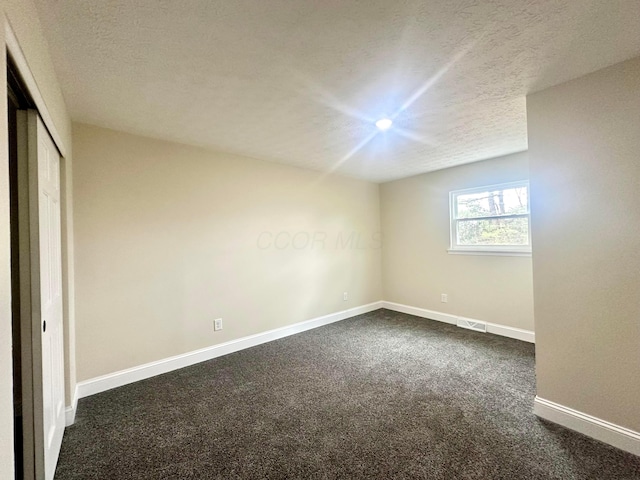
(498, 253)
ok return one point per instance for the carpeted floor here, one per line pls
(383, 395)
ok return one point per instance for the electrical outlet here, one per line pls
(444, 298)
(345, 296)
(217, 324)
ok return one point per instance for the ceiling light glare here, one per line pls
(384, 124)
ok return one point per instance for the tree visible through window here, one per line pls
(493, 218)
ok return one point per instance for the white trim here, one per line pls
(14, 49)
(420, 312)
(511, 332)
(615, 435)
(496, 253)
(70, 411)
(148, 370)
(494, 328)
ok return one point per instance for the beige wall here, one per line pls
(170, 237)
(20, 18)
(416, 265)
(584, 141)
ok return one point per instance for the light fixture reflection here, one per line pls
(384, 124)
(325, 97)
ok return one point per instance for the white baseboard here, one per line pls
(503, 330)
(148, 370)
(511, 332)
(615, 435)
(70, 411)
(420, 312)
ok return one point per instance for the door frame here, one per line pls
(29, 294)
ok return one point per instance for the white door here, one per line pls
(50, 295)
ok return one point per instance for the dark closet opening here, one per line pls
(17, 99)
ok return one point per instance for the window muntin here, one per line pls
(493, 218)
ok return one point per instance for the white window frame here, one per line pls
(515, 250)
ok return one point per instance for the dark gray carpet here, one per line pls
(383, 395)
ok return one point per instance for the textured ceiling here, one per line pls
(302, 81)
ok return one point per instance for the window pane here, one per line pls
(496, 231)
(509, 201)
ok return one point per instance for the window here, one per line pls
(491, 220)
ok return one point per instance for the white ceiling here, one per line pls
(302, 81)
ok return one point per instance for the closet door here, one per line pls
(45, 316)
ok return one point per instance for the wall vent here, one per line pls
(472, 324)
